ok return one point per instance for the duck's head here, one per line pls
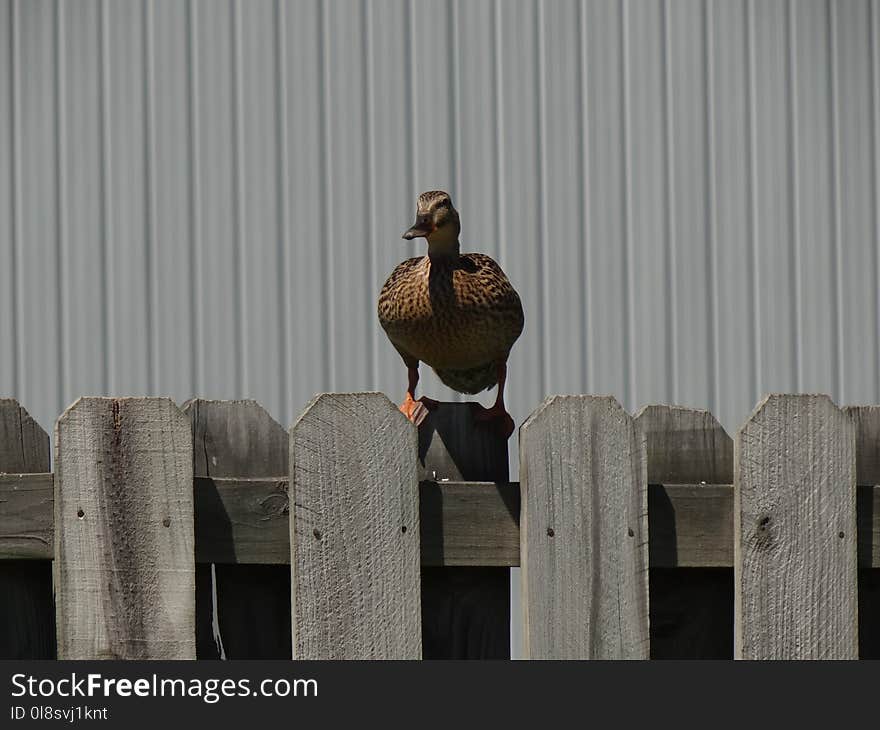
(437, 221)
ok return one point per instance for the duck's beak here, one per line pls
(422, 227)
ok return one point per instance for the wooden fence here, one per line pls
(167, 532)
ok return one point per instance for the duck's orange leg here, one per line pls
(415, 410)
(497, 415)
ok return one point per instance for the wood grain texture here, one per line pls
(691, 525)
(240, 439)
(469, 523)
(685, 446)
(124, 568)
(795, 531)
(584, 531)
(354, 530)
(866, 420)
(236, 438)
(24, 446)
(462, 523)
(26, 519)
(452, 447)
(690, 608)
(27, 622)
(465, 610)
(243, 521)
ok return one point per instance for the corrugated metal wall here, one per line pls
(205, 197)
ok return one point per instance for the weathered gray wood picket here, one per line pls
(249, 594)
(655, 536)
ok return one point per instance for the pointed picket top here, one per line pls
(685, 446)
(584, 531)
(236, 438)
(24, 445)
(354, 530)
(867, 425)
(795, 531)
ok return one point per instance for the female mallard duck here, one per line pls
(456, 312)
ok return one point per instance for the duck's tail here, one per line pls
(471, 381)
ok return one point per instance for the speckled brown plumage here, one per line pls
(456, 312)
(460, 316)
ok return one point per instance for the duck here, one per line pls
(456, 312)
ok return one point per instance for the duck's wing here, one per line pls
(396, 303)
(501, 299)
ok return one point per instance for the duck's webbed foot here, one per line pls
(496, 418)
(415, 410)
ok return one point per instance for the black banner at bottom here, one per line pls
(232, 694)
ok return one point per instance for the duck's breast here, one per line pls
(459, 316)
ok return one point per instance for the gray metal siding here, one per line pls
(203, 198)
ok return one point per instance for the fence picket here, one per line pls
(795, 531)
(239, 439)
(691, 610)
(465, 610)
(27, 621)
(354, 530)
(124, 560)
(867, 424)
(763, 549)
(584, 531)
(685, 446)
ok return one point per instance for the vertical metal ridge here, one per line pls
(238, 206)
(541, 264)
(873, 34)
(283, 170)
(327, 233)
(629, 359)
(62, 258)
(150, 254)
(109, 290)
(588, 380)
(369, 182)
(794, 181)
(455, 111)
(500, 176)
(15, 150)
(711, 208)
(195, 207)
(410, 92)
(752, 182)
(837, 236)
(671, 230)
(455, 92)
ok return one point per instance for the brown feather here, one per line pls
(458, 313)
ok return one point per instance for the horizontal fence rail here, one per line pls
(172, 533)
(243, 520)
